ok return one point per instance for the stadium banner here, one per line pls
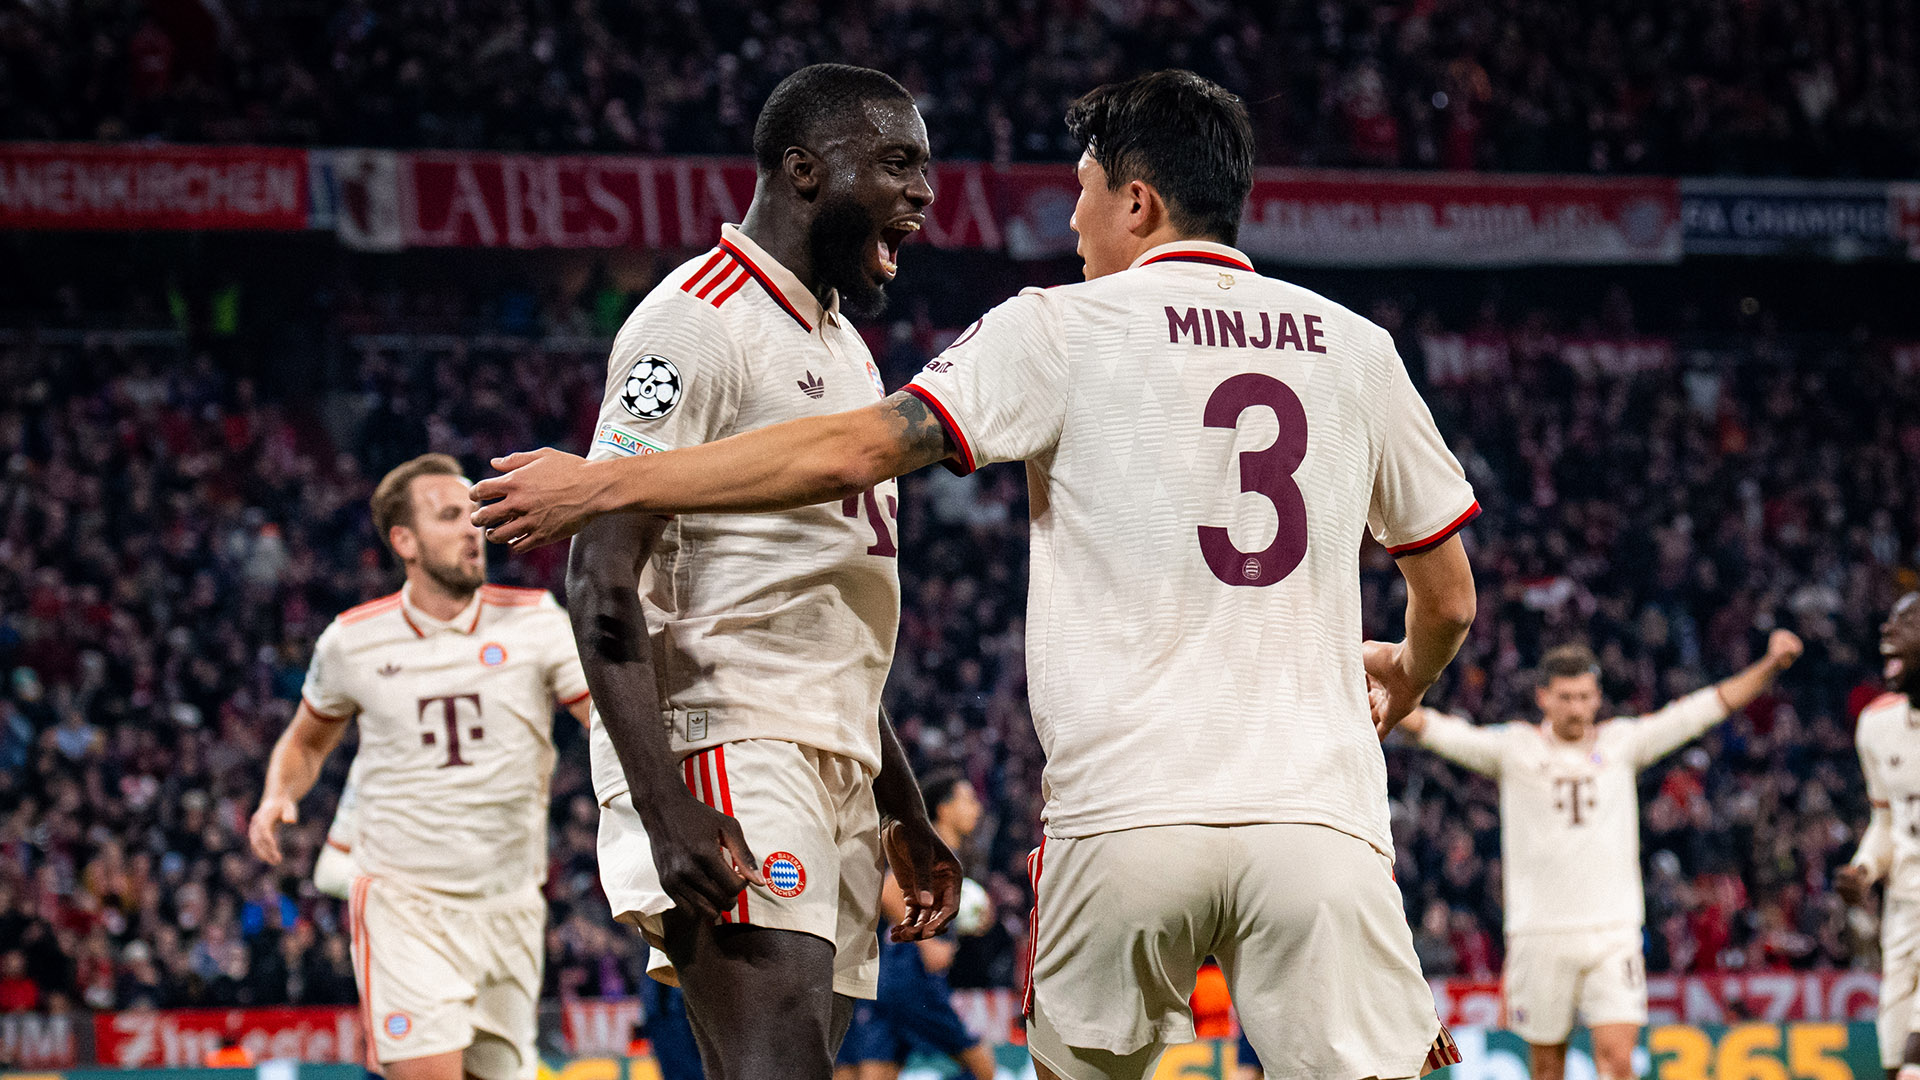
(276, 1069)
(178, 1038)
(1778, 997)
(137, 186)
(1315, 218)
(1838, 220)
(42, 1041)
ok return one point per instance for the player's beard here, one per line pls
(456, 576)
(839, 241)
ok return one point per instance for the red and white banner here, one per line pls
(1457, 359)
(38, 1041)
(599, 1027)
(182, 1038)
(1703, 999)
(63, 186)
(1460, 219)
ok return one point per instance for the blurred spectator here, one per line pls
(1802, 87)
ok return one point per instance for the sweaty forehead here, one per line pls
(877, 123)
(1907, 607)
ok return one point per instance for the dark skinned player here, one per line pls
(747, 776)
(1888, 737)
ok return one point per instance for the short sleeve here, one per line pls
(1869, 764)
(1420, 493)
(1000, 389)
(326, 692)
(673, 380)
(565, 677)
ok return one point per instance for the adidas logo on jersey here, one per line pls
(812, 386)
(388, 669)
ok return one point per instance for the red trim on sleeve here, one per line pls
(965, 463)
(1438, 538)
(576, 699)
(323, 714)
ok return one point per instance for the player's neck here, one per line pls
(435, 599)
(784, 238)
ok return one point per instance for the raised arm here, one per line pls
(701, 853)
(1456, 739)
(1440, 610)
(291, 771)
(1687, 719)
(546, 495)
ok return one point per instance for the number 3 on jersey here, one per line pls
(1268, 473)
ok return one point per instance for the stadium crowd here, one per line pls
(173, 536)
(1790, 87)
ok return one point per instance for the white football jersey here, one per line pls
(1204, 447)
(1570, 811)
(346, 812)
(764, 626)
(1888, 738)
(456, 734)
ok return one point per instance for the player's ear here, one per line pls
(802, 170)
(404, 543)
(1147, 211)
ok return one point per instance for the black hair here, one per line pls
(1188, 137)
(816, 95)
(938, 786)
(1568, 661)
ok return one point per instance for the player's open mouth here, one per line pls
(1895, 667)
(887, 248)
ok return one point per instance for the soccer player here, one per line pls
(1570, 845)
(914, 1006)
(1889, 740)
(1204, 445)
(738, 662)
(453, 683)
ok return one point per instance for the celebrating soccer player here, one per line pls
(1570, 845)
(452, 682)
(1204, 445)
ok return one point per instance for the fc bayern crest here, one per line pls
(652, 389)
(785, 874)
(398, 1025)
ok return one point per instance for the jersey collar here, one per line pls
(423, 624)
(782, 286)
(1205, 252)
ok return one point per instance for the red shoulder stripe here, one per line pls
(727, 272)
(370, 608)
(726, 294)
(717, 255)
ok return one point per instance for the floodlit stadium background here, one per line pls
(1652, 265)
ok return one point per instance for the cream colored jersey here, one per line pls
(1888, 738)
(1204, 446)
(456, 720)
(1570, 812)
(764, 626)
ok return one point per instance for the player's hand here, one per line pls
(263, 831)
(701, 854)
(929, 875)
(1852, 882)
(1783, 648)
(544, 496)
(1391, 692)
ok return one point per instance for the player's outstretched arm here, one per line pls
(1440, 608)
(291, 771)
(546, 495)
(1690, 717)
(701, 853)
(927, 870)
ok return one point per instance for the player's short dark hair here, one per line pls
(1568, 662)
(938, 786)
(393, 496)
(812, 97)
(1188, 137)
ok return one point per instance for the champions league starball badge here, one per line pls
(652, 389)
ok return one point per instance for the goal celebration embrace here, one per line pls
(1007, 541)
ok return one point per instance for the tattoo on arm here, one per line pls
(919, 433)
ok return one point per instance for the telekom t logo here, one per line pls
(450, 714)
(1573, 794)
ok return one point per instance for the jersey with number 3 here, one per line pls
(764, 626)
(1205, 446)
